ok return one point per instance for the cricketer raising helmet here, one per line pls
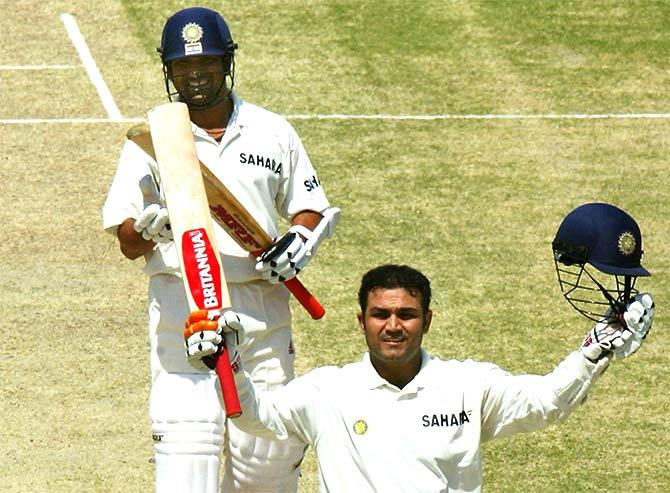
(198, 31)
(608, 239)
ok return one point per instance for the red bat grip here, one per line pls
(306, 299)
(227, 381)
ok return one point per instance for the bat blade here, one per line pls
(228, 212)
(191, 223)
(233, 217)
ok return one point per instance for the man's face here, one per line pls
(198, 79)
(394, 324)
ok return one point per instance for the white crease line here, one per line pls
(37, 67)
(548, 116)
(567, 116)
(91, 68)
(29, 121)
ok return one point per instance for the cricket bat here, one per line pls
(233, 217)
(191, 223)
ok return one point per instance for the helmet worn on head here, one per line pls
(195, 31)
(198, 32)
(602, 235)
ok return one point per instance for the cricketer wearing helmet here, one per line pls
(260, 158)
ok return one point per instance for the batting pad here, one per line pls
(180, 473)
(187, 429)
(259, 465)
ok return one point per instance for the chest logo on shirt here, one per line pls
(360, 427)
(261, 161)
(445, 419)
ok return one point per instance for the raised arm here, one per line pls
(516, 404)
(287, 413)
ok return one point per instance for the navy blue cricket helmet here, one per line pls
(195, 31)
(602, 235)
(609, 239)
(198, 31)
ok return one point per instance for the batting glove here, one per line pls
(290, 253)
(207, 332)
(638, 318)
(286, 257)
(621, 337)
(154, 224)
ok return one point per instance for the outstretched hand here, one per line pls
(638, 318)
(623, 336)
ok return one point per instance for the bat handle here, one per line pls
(227, 381)
(306, 299)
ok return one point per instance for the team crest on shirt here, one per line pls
(360, 427)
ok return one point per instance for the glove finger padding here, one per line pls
(283, 260)
(293, 267)
(207, 331)
(230, 322)
(203, 343)
(605, 338)
(153, 224)
(639, 316)
(146, 216)
(158, 222)
(621, 337)
(202, 336)
(199, 326)
(291, 253)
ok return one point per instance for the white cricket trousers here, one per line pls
(187, 418)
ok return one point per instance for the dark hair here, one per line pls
(395, 276)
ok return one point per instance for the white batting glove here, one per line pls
(290, 253)
(154, 224)
(638, 317)
(620, 338)
(206, 333)
(286, 257)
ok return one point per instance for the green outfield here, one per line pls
(514, 112)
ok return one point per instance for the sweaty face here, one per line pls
(199, 79)
(394, 325)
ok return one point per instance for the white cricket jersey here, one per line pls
(370, 436)
(260, 159)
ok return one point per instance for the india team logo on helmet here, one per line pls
(192, 34)
(626, 243)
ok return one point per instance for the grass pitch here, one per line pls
(473, 203)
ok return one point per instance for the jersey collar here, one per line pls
(235, 122)
(373, 380)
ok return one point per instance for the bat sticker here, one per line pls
(202, 269)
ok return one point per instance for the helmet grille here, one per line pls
(591, 292)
